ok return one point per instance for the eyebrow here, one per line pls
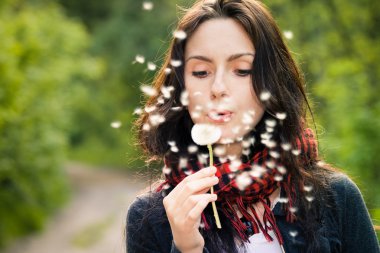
(230, 58)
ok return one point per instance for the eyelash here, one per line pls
(239, 72)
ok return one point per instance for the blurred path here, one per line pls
(94, 219)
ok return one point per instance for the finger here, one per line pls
(194, 215)
(193, 200)
(193, 187)
(205, 172)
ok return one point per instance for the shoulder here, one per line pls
(145, 206)
(343, 188)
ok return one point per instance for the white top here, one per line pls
(259, 244)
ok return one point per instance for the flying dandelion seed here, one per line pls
(146, 127)
(308, 188)
(270, 164)
(148, 6)
(197, 93)
(269, 143)
(296, 152)
(176, 63)
(140, 59)
(185, 98)
(236, 129)
(201, 225)
(257, 171)
(278, 178)
(246, 152)
(219, 151)
(183, 162)
(195, 115)
(181, 35)
(270, 122)
(192, 149)
(202, 159)
(247, 119)
(166, 186)
(116, 124)
(160, 100)
(281, 169)
(176, 108)
(187, 172)
(156, 119)
(138, 111)
(246, 143)
(283, 200)
(232, 157)
(281, 115)
(150, 109)
(293, 209)
(223, 160)
(171, 143)
(167, 71)
(321, 163)
(198, 108)
(243, 180)
(166, 91)
(286, 146)
(265, 136)
(148, 90)
(293, 233)
(174, 149)
(265, 95)
(151, 66)
(166, 170)
(226, 141)
(274, 154)
(309, 198)
(269, 129)
(288, 35)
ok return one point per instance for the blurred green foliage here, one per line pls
(67, 71)
(43, 63)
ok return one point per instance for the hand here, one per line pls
(184, 206)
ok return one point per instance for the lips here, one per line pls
(220, 116)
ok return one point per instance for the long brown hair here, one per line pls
(273, 71)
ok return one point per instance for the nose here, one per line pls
(219, 87)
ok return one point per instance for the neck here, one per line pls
(231, 149)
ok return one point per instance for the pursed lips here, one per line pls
(220, 116)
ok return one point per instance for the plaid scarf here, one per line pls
(231, 198)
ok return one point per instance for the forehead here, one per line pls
(221, 36)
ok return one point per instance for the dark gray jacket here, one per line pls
(347, 229)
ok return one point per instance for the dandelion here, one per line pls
(138, 111)
(176, 63)
(167, 71)
(281, 115)
(148, 90)
(148, 6)
(243, 180)
(265, 95)
(116, 124)
(139, 59)
(184, 98)
(288, 35)
(205, 134)
(179, 34)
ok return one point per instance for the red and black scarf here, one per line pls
(231, 197)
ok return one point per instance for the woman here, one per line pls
(233, 70)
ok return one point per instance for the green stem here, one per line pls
(217, 220)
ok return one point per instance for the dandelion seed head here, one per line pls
(265, 95)
(151, 66)
(204, 134)
(116, 124)
(148, 90)
(175, 63)
(148, 5)
(179, 34)
(139, 59)
(288, 34)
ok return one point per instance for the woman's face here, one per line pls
(218, 63)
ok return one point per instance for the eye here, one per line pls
(243, 72)
(200, 74)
